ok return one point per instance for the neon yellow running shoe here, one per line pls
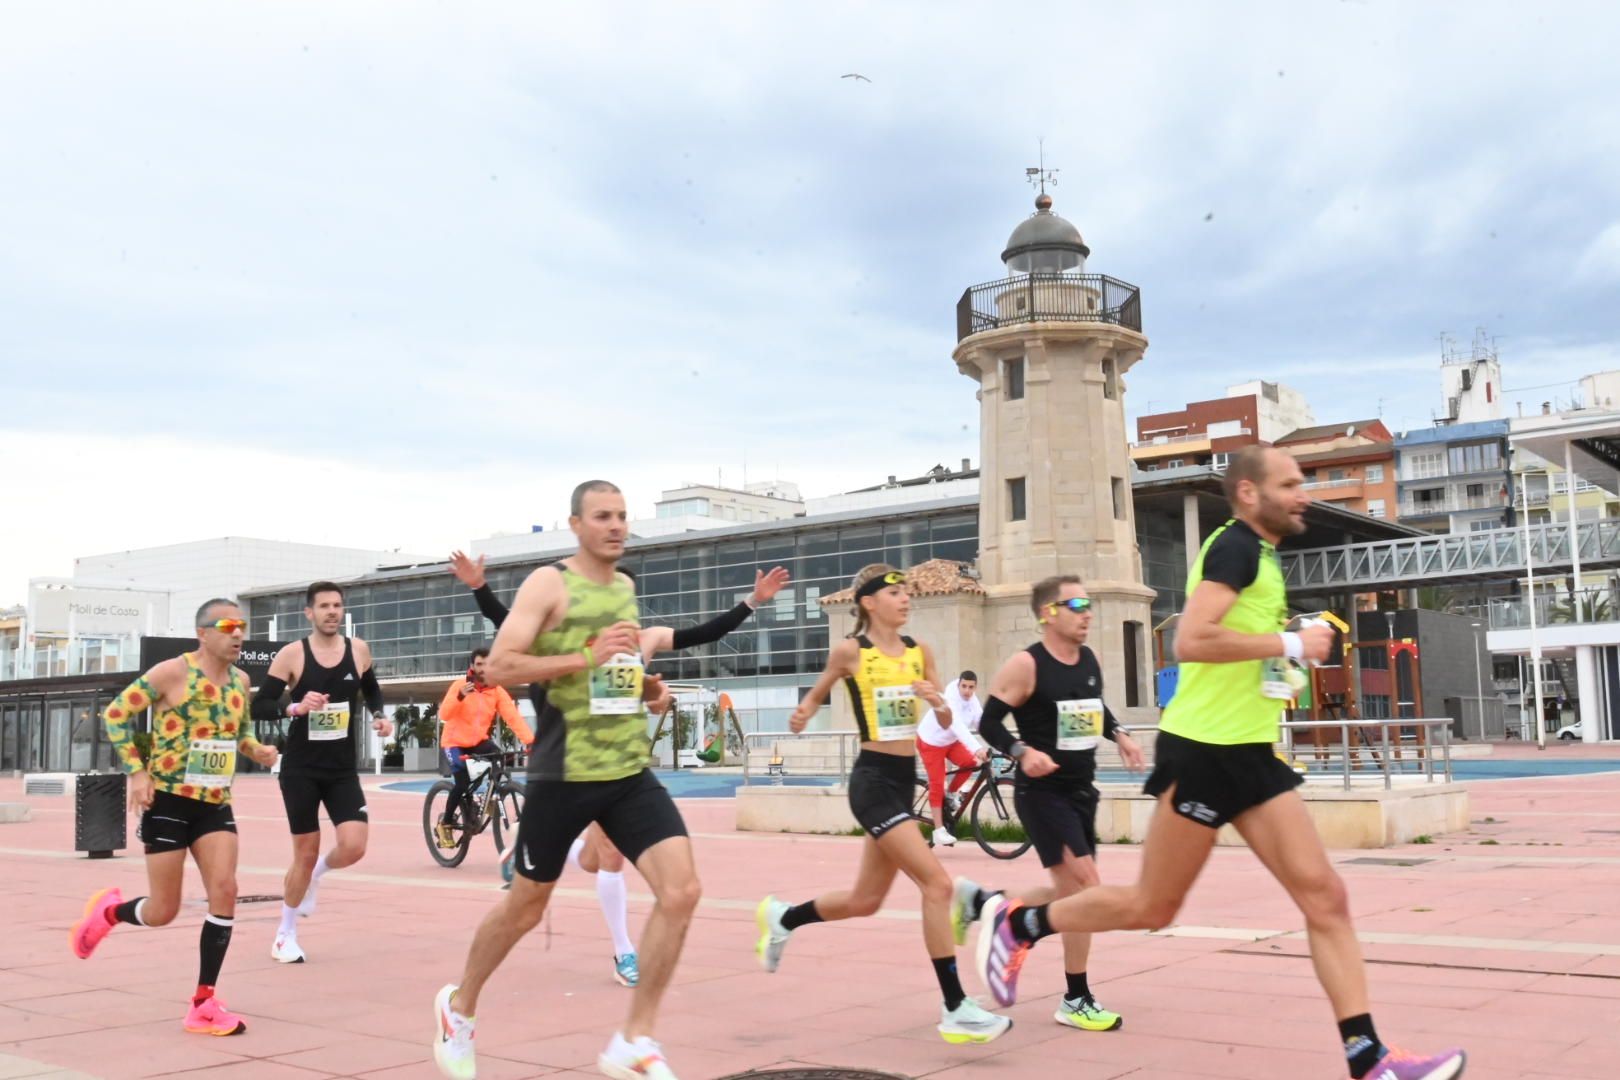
(1085, 1014)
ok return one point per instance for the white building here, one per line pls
(93, 621)
(1281, 410)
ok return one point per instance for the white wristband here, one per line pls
(292, 709)
(1293, 645)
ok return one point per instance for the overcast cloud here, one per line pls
(397, 275)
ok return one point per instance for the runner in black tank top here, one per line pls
(341, 685)
(324, 721)
(1055, 690)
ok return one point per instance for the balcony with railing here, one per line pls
(1600, 604)
(1028, 298)
(1412, 508)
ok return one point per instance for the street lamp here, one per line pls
(1479, 686)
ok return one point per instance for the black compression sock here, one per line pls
(216, 938)
(128, 912)
(800, 915)
(950, 983)
(1030, 924)
(1361, 1046)
(1077, 986)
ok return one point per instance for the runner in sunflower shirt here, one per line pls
(200, 702)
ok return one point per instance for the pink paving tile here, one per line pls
(490, 1067)
(346, 1054)
(252, 1070)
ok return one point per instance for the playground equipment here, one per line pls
(697, 713)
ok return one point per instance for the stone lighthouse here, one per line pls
(1050, 346)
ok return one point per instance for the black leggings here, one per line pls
(457, 756)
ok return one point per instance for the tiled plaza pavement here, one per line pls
(1505, 938)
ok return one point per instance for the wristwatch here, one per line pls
(1017, 750)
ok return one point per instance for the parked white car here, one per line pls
(1570, 732)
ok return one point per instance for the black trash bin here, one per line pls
(99, 823)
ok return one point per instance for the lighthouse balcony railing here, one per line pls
(1027, 298)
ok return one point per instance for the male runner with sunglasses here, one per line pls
(1213, 764)
(1054, 689)
(183, 789)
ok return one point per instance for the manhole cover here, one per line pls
(1371, 861)
(816, 1074)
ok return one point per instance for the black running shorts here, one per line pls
(882, 788)
(174, 822)
(303, 794)
(635, 813)
(1058, 817)
(1214, 784)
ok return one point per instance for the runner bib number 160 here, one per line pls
(897, 708)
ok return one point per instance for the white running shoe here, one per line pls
(773, 936)
(639, 1060)
(943, 837)
(286, 950)
(970, 1022)
(453, 1039)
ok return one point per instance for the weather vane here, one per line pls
(1041, 176)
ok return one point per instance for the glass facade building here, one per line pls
(422, 623)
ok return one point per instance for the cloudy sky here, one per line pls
(397, 275)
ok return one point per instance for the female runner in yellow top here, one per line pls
(891, 678)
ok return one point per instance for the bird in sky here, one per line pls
(853, 75)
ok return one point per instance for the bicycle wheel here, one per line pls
(995, 821)
(433, 807)
(504, 813)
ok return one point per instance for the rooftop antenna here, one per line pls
(1040, 176)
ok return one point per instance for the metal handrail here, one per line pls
(1424, 750)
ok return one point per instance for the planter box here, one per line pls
(421, 759)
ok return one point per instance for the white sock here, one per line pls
(289, 921)
(320, 869)
(573, 853)
(610, 893)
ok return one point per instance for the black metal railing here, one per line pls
(1048, 298)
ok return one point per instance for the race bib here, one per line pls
(616, 686)
(211, 763)
(1282, 679)
(897, 708)
(331, 723)
(1079, 723)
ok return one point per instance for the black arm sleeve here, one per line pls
(713, 630)
(267, 702)
(371, 690)
(492, 609)
(1233, 559)
(993, 727)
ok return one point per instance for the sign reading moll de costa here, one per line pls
(95, 612)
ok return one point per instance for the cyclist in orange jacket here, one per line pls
(468, 712)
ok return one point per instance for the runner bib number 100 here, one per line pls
(211, 763)
(616, 686)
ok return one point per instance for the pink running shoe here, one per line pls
(211, 1017)
(1398, 1065)
(88, 931)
